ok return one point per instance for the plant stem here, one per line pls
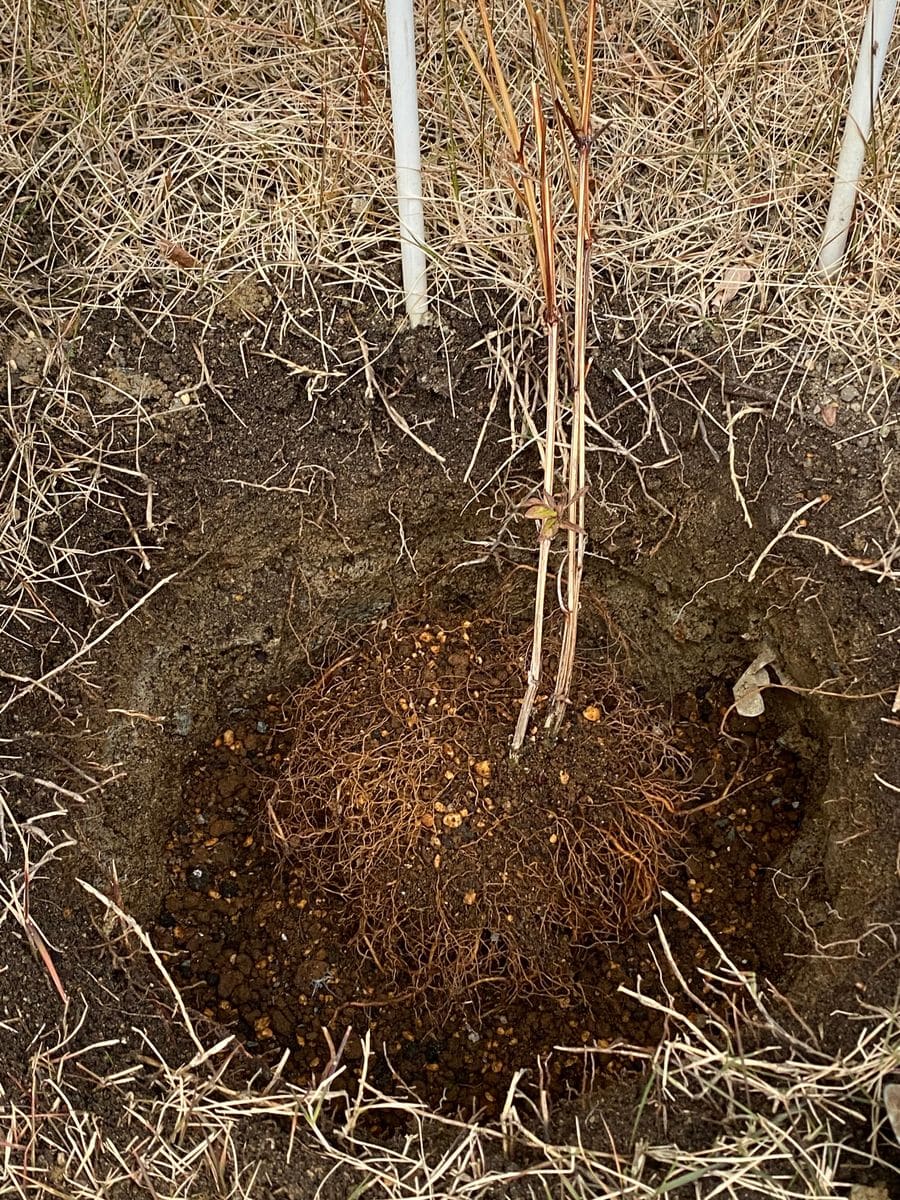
(545, 237)
(577, 537)
(576, 117)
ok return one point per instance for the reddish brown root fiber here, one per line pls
(457, 869)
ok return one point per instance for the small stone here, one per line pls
(228, 737)
(198, 879)
(181, 722)
(453, 820)
(591, 713)
(470, 898)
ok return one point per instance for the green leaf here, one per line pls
(539, 511)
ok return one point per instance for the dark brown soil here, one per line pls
(260, 951)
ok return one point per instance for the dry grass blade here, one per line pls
(128, 922)
(89, 644)
(19, 878)
(786, 1119)
(162, 140)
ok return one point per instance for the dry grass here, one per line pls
(138, 138)
(155, 144)
(786, 1119)
(158, 151)
(165, 151)
(67, 465)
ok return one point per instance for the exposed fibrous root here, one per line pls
(460, 870)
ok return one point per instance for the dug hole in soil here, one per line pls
(320, 826)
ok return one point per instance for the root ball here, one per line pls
(458, 870)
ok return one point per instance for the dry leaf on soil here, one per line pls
(748, 689)
(729, 285)
(179, 256)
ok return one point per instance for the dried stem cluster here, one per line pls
(536, 197)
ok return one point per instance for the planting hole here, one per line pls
(361, 853)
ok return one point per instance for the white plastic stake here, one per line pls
(405, 114)
(860, 114)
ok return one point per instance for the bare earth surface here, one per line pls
(276, 485)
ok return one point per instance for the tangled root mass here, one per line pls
(458, 869)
